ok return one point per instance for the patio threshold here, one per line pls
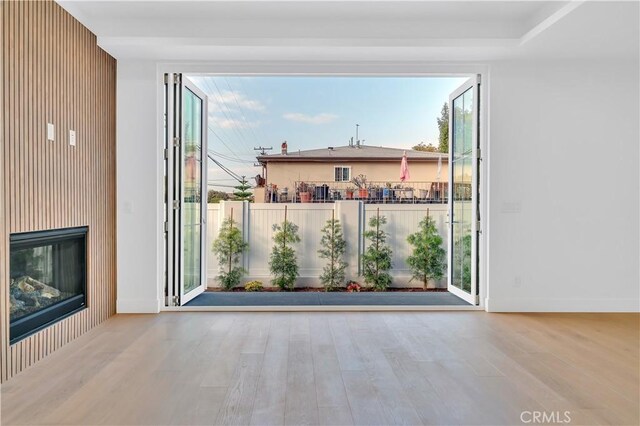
(322, 299)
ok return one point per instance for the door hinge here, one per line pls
(176, 204)
(477, 299)
(479, 154)
(176, 300)
(176, 141)
(176, 79)
(166, 79)
(166, 154)
(478, 227)
(479, 78)
(166, 227)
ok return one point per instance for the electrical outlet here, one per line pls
(72, 137)
(51, 132)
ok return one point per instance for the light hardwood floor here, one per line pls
(337, 369)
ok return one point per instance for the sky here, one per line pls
(316, 112)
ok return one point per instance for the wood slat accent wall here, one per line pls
(53, 71)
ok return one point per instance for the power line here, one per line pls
(226, 157)
(237, 130)
(223, 142)
(244, 88)
(225, 169)
(235, 98)
(214, 98)
(218, 185)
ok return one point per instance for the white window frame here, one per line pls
(341, 167)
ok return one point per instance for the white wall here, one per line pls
(564, 186)
(562, 156)
(139, 190)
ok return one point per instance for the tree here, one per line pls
(427, 261)
(242, 192)
(216, 196)
(377, 256)
(228, 247)
(427, 148)
(333, 249)
(443, 128)
(283, 263)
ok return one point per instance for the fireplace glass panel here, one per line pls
(47, 277)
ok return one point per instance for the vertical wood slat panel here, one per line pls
(53, 72)
(3, 209)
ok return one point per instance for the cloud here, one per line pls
(233, 101)
(233, 123)
(322, 118)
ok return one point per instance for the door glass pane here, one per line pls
(192, 130)
(462, 152)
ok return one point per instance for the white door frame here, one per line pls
(471, 297)
(186, 297)
(176, 85)
(359, 69)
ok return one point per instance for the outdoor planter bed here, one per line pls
(320, 289)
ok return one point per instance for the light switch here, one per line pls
(51, 131)
(72, 137)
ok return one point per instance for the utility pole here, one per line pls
(263, 149)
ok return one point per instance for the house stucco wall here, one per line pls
(285, 174)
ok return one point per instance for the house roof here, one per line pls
(349, 153)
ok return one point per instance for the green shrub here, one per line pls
(228, 247)
(283, 262)
(253, 286)
(333, 249)
(428, 260)
(377, 256)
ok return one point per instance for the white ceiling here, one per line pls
(358, 30)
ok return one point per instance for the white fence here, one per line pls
(256, 222)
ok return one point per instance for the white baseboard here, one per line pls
(138, 306)
(561, 305)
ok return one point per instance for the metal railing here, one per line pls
(372, 192)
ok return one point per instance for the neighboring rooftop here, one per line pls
(361, 153)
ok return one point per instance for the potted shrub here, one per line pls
(304, 192)
(305, 197)
(360, 182)
(228, 247)
(283, 262)
(333, 249)
(349, 193)
(377, 256)
(428, 259)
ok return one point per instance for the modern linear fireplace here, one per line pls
(48, 278)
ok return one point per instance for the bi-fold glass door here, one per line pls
(464, 219)
(186, 189)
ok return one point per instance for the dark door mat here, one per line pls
(314, 299)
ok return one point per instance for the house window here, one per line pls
(342, 174)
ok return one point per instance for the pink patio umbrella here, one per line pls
(404, 168)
